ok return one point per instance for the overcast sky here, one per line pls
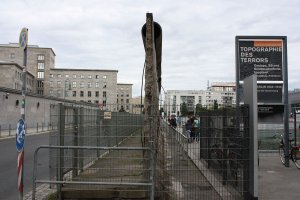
(198, 36)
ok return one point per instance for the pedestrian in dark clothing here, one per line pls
(188, 128)
(173, 122)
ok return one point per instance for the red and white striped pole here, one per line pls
(20, 172)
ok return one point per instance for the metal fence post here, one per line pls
(75, 143)
(81, 138)
(61, 123)
(37, 127)
(9, 129)
(98, 130)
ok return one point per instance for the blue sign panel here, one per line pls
(20, 135)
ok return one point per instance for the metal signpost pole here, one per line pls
(21, 131)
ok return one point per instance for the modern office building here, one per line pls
(221, 93)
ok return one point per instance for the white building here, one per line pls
(221, 93)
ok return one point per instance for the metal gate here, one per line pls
(96, 153)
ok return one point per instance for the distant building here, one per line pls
(39, 62)
(89, 85)
(11, 77)
(221, 93)
(124, 94)
(137, 105)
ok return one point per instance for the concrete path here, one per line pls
(277, 182)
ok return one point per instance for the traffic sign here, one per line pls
(23, 39)
(20, 135)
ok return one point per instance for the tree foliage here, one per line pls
(183, 109)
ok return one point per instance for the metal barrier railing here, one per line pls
(73, 177)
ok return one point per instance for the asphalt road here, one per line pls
(8, 164)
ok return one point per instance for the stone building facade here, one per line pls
(11, 76)
(89, 85)
(124, 94)
(39, 62)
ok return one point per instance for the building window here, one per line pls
(127, 100)
(41, 66)
(81, 76)
(59, 93)
(104, 102)
(96, 101)
(104, 77)
(89, 84)
(51, 84)
(81, 84)
(97, 76)
(89, 94)
(74, 76)
(51, 92)
(40, 74)
(104, 94)
(67, 75)
(41, 57)
(74, 93)
(74, 84)
(58, 75)
(127, 95)
(51, 76)
(97, 94)
(89, 76)
(104, 85)
(58, 84)
(81, 93)
(97, 84)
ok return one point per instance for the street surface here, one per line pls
(8, 164)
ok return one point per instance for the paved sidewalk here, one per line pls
(277, 182)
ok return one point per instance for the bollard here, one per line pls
(9, 127)
(37, 127)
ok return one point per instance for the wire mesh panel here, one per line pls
(208, 160)
(95, 150)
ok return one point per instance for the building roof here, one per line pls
(124, 84)
(72, 69)
(15, 64)
(16, 45)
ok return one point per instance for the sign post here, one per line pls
(266, 57)
(21, 130)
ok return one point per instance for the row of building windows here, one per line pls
(79, 76)
(122, 101)
(81, 93)
(122, 95)
(74, 84)
(18, 76)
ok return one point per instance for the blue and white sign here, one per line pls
(23, 39)
(20, 135)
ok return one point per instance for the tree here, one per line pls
(216, 106)
(183, 109)
(199, 109)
